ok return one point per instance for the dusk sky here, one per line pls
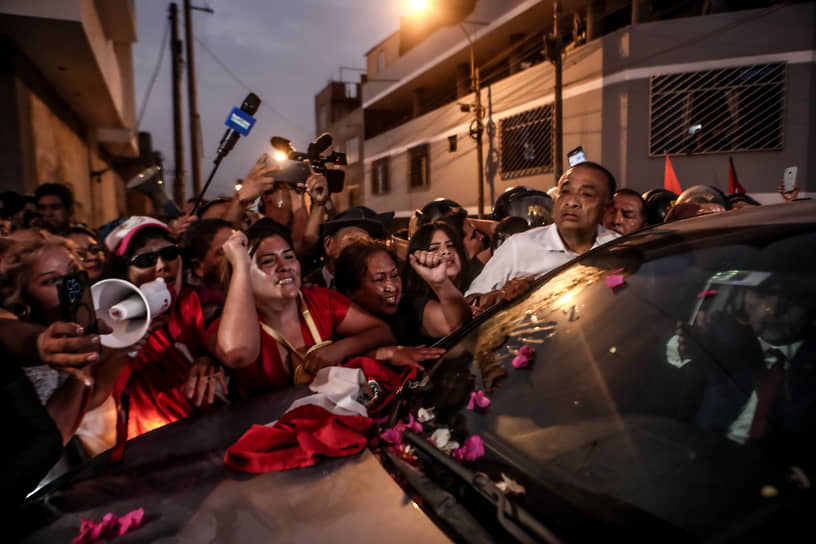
(285, 52)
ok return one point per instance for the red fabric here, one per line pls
(734, 185)
(388, 380)
(670, 180)
(328, 309)
(298, 439)
(302, 435)
(153, 379)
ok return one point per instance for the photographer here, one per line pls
(284, 203)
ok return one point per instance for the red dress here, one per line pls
(328, 309)
(153, 380)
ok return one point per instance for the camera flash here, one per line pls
(280, 156)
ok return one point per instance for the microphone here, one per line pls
(239, 122)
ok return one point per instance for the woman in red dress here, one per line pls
(272, 333)
(172, 376)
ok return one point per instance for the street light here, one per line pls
(476, 125)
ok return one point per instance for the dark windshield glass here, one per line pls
(654, 362)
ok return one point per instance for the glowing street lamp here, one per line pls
(477, 125)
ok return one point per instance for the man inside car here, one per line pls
(760, 379)
(584, 192)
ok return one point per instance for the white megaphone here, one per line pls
(128, 309)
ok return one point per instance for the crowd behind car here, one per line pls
(266, 288)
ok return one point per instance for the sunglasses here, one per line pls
(148, 260)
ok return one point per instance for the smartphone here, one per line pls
(790, 178)
(76, 302)
(576, 156)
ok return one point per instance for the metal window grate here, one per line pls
(725, 110)
(379, 176)
(419, 166)
(526, 143)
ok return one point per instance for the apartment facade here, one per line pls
(700, 88)
(68, 105)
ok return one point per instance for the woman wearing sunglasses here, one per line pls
(172, 376)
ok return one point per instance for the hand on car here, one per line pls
(409, 356)
(203, 380)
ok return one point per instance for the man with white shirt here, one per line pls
(584, 192)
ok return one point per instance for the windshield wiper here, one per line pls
(515, 519)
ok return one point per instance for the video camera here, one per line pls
(295, 170)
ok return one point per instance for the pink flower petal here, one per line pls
(109, 526)
(478, 398)
(520, 362)
(414, 425)
(392, 436)
(706, 293)
(472, 450)
(481, 399)
(615, 280)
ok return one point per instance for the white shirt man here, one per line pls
(584, 191)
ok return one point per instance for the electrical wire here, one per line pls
(153, 77)
(239, 80)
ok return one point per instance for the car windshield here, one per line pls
(651, 377)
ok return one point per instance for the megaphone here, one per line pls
(150, 183)
(128, 309)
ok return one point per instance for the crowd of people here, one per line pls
(266, 288)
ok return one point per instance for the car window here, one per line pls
(647, 356)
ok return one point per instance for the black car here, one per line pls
(661, 387)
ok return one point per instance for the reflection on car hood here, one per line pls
(177, 475)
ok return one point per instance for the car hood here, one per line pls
(177, 474)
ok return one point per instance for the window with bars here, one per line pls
(526, 143)
(715, 111)
(379, 176)
(419, 167)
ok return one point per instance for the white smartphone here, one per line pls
(790, 178)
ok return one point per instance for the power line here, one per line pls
(155, 74)
(239, 80)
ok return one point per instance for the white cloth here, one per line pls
(530, 253)
(336, 390)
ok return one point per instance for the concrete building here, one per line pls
(640, 79)
(338, 111)
(66, 100)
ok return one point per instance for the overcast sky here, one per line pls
(285, 52)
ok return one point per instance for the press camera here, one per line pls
(294, 165)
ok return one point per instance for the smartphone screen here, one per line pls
(576, 156)
(75, 300)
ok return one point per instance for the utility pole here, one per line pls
(558, 165)
(192, 101)
(477, 125)
(178, 134)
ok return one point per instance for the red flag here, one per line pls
(670, 181)
(734, 185)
